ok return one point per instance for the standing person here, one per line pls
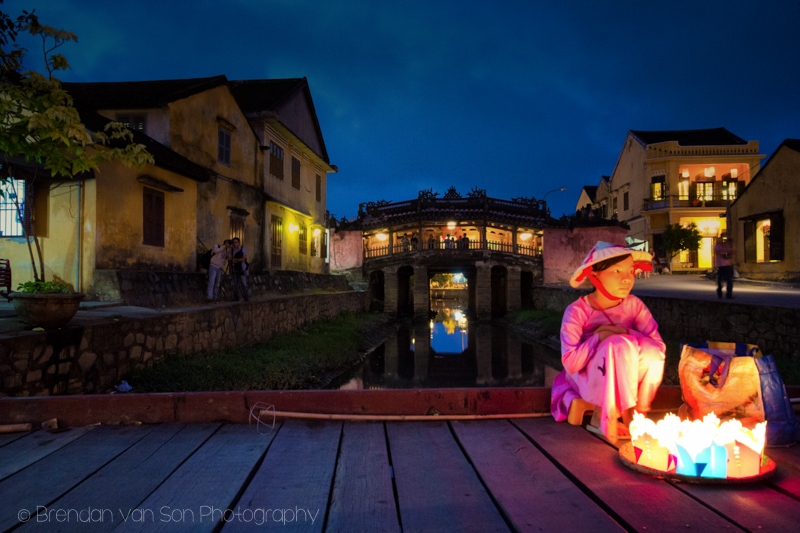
(216, 268)
(612, 353)
(723, 255)
(239, 267)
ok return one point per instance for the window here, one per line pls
(625, 201)
(276, 242)
(683, 190)
(324, 253)
(295, 173)
(705, 191)
(315, 242)
(224, 146)
(236, 219)
(15, 192)
(319, 188)
(275, 160)
(153, 217)
(133, 122)
(614, 206)
(730, 186)
(303, 239)
(764, 238)
(658, 189)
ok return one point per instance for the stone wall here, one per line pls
(92, 359)
(775, 329)
(154, 289)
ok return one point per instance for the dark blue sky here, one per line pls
(518, 98)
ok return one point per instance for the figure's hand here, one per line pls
(606, 330)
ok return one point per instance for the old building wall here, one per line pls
(346, 250)
(776, 187)
(119, 228)
(565, 249)
(194, 126)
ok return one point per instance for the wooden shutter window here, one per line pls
(153, 217)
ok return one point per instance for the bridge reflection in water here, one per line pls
(449, 352)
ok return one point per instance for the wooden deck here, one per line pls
(525, 474)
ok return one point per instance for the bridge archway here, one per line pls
(377, 294)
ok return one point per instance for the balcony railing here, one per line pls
(675, 201)
(452, 246)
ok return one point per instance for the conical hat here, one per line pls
(606, 250)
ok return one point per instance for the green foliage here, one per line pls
(304, 359)
(677, 238)
(38, 121)
(44, 287)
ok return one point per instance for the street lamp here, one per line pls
(554, 190)
(545, 196)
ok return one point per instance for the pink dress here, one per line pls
(617, 373)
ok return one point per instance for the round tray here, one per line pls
(628, 458)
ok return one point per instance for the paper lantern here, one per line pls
(699, 448)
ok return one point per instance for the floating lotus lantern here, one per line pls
(701, 450)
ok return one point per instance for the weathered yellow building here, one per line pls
(685, 176)
(216, 176)
(295, 170)
(764, 221)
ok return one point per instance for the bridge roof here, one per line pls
(518, 212)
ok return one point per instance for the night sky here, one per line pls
(519, 98)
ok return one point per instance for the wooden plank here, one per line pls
(787, 474)
(363, 498)
(530, 490)
(118, 488)
(293, 485)
(6, 438)
(437, 488)
(36, 487)
(635, 499)
(756, 507)
(33, 446)
(204, 487)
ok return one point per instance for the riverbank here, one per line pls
(306, 359)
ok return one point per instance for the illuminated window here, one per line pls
(303, 239)
(683, 190)
(658, 188)
(15, 200)
(764, 237)
(133, 122)
(705, 191)
(729, 188)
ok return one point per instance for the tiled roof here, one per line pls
(163, 156)
(794, 144)
(137, 94)
(591, 191)
(707, 137)
(264, 95)
(259, 96)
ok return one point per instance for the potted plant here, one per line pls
(46, 304)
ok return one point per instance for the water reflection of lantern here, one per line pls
(699, 448)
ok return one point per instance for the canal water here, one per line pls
(450, 352)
